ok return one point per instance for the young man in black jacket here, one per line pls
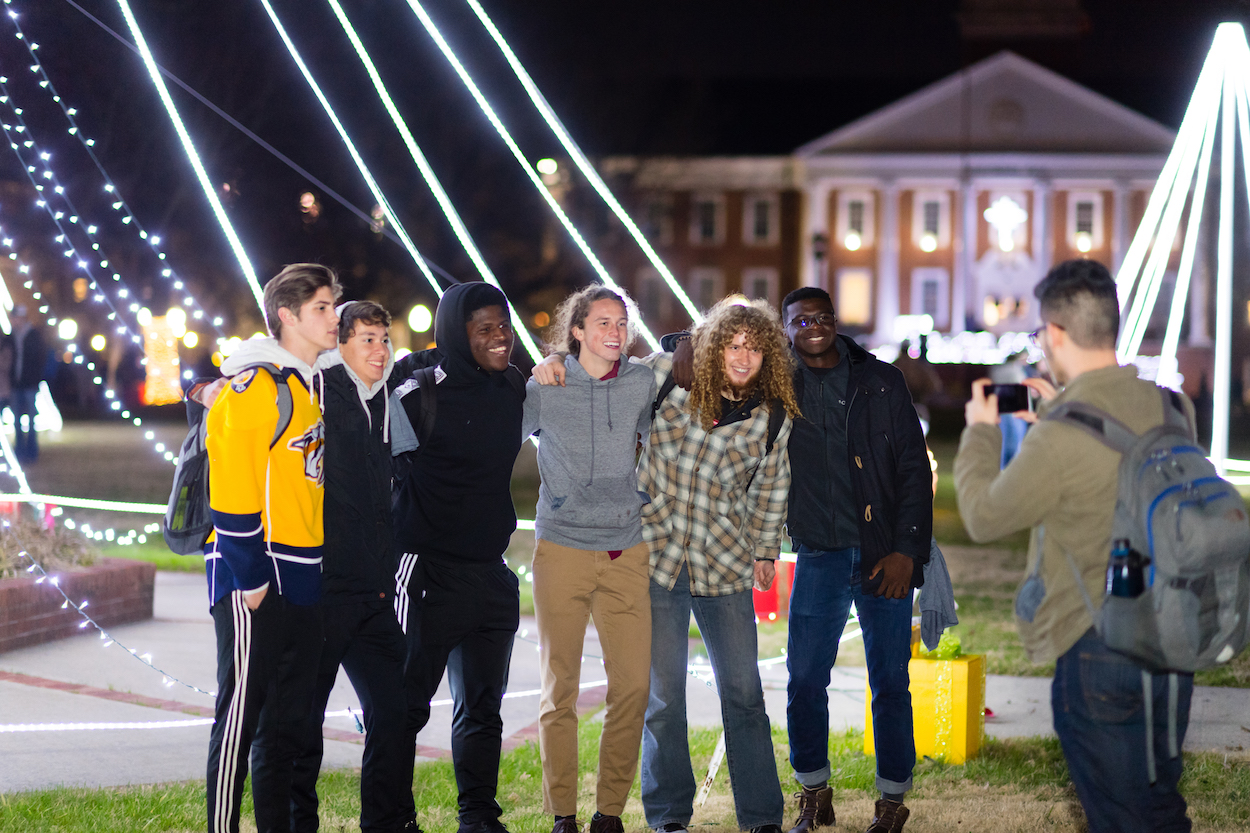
(362, 633)
(358, 578)
(861, 516)
(453, 521)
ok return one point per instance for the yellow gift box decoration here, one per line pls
(947, 704)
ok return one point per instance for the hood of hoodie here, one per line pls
(449, 330)
(266, 350)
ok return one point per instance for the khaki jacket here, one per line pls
(1062, 480)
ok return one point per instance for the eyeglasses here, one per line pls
(825, 319)
(1036, 336)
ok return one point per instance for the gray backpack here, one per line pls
(188, 519)
(1192, 524)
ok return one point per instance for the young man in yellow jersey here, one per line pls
(264, 558)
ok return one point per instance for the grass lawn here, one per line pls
(1015, 785)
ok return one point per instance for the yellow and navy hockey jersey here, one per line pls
(266, 503)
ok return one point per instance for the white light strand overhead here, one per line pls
(543, 191)
(63, 238)
(351, 148)
(219, 210)
(1220, 101)
(119, 204)
(58, 192)
(431, 179)
(583, 164)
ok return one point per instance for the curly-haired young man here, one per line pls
(718, 491)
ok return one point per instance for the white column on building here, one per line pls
(1119, 225)
(961, 298)
(1043, 248)
(816, 222)
(887, 264)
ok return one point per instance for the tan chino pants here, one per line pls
(570, 586)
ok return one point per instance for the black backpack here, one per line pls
(188, 519)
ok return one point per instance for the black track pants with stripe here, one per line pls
(266, 662)
(461, 618)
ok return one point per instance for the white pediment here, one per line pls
(1004, 103)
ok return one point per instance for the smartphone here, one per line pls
(1011, 398)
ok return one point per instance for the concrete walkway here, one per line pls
(78, 681)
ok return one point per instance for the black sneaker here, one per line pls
(484, 826)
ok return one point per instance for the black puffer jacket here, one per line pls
(359, 559)
(889, 469)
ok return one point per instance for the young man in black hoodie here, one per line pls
(453, 521)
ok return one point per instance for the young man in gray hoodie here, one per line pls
(590, 558)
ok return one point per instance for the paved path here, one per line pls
(78, 681)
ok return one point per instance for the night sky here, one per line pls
(653, 77)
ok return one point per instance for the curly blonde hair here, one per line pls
(572, 313)
(733, 315)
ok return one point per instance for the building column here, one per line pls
(815, 221)
(1043, 248)
(965, 259)
(1119, 226)
(887, 265)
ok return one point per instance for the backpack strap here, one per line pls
(286, 407)
(427, 384)
(776, 418)
(1097, 423)
(1174, 415)
(665, 389)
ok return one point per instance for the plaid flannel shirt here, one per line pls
(717, 502)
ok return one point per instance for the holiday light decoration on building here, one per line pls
(160, 346)
(1220, 104)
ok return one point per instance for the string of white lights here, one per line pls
(1148, 287)
(543, 191)
(583, 164)
(219, 210)
(98, 374)
(1168, 367)
(351, 149)
(1142, 240)
(58, 191)
(431, 179)
(385, 231)
(108, 639)
(119, 204)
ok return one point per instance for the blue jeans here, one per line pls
(825, 584)
(1100, 720)
(728, 627)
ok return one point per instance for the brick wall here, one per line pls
(119, 590)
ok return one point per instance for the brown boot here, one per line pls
(888, 817)
(815, 809)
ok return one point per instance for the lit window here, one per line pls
(760, 283)
(854, 296)
(705, 221)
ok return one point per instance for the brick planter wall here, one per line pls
(120, 591)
